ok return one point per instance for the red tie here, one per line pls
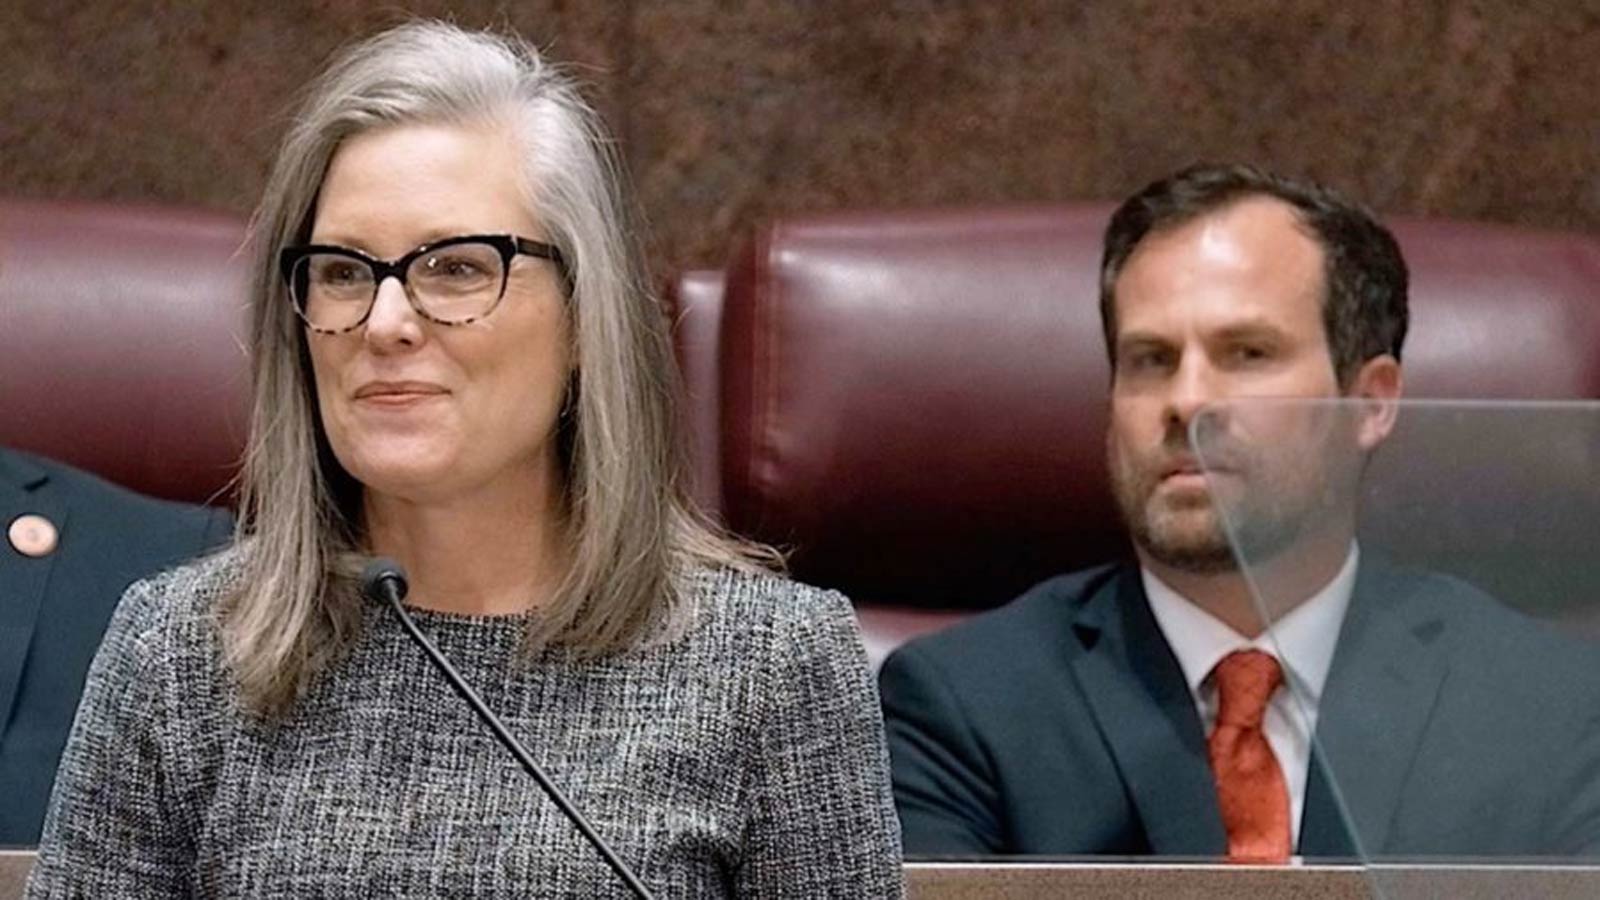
(1250, 788)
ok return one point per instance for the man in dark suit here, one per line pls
(1136, 709)
(73, 544)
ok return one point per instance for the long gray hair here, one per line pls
(632, 530)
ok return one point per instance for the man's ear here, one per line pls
(1379, 382)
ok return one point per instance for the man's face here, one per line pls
(1225, 307)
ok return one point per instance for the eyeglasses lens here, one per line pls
(452, 284)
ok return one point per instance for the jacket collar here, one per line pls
(20, 471)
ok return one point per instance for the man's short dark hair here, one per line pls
(1364, 300)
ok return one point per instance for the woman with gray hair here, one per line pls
(458, 365)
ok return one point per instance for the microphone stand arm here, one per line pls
(488, 718)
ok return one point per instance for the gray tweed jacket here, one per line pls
(744, 759)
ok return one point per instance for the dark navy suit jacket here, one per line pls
(53, 609)
(1061, 724)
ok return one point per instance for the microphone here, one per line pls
(384, 581)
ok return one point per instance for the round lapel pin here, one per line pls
(33, 535)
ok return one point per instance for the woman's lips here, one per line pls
(396, 395)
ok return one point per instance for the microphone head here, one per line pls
(382, 575)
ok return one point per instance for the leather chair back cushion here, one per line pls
(915, 402)
(121, 342)
(694, 302)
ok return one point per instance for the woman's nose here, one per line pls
(393, 321)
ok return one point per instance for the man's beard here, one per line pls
(1197, 544)
(1188, 533)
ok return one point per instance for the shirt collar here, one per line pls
(1303, 641)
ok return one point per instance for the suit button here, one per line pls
(33, 535)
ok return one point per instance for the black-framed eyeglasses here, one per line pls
(452, 281)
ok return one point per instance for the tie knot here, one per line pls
(1245, 681)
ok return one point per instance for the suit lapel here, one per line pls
(1380, 694)
(1143, 708)
(24, 488)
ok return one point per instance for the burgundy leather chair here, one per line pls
(694, 303)
(914, 402)
(122, 342)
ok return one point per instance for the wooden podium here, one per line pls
(1127, 880)
(1086, 879)
(14, 866)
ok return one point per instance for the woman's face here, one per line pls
(417, 410)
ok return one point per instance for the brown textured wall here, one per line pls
(733, 110)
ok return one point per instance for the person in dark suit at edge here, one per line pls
(1144, 709)
(73, 543)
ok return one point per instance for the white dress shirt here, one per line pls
(1301, 641)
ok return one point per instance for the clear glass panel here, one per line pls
(1459, 720)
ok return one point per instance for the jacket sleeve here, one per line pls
(943, 785)
(822, 821)
(111, 830)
